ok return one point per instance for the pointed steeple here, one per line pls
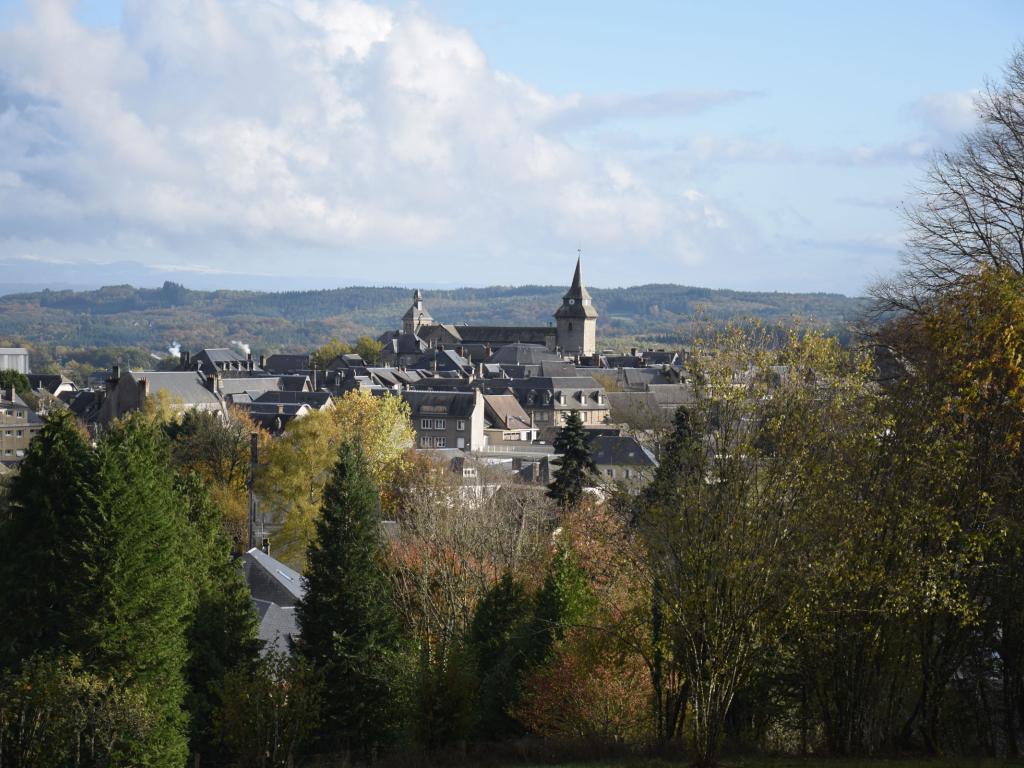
(577, 301)
(577, 279)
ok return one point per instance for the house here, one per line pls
(18, 425)
(179, 390)
(48, 387)
(447, 419)
(548, 400)
(506, 421)
(275, 590)
(620, 458)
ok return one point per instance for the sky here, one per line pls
(318, 143)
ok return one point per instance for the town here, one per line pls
(442, 384)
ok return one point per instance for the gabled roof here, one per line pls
(272, 580)
(505, 412)
(278, 627)
(51, 382)
(185, 387)
(620, 450)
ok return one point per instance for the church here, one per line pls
(574, 333)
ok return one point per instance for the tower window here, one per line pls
(570, 325)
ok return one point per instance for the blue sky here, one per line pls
(307, 143)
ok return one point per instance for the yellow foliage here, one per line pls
(299, 463)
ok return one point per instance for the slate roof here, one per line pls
(458, 404)
(445, 359)
(51, 382)
(505, 412)
(620, 451)
(522, 354)
(272, 580)
(286, 363)
(317, 400)
(581, 392)
(499, 335)
(84, 404)
(185, 387)
(577, 303)
(278, 628)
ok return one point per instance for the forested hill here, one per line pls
(153, 318)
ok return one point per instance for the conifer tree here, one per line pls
(42, 579)
(222, 630)
(349, 624)
(133, 543)
(575, 466)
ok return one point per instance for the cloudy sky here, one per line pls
(315, 143)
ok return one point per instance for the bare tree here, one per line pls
(970, 209)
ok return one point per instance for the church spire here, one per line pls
(577, 279)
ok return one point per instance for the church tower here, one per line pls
(416, 316)
(577, 320)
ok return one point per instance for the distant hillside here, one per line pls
(124, 316)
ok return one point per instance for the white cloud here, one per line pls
(333, 126)
(948, 114)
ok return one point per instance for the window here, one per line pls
(19, 433)
(460, 425)
(7, 452)
(610, 472)
(431, 423)
(8, 433)
(469, 472)
(570, 324)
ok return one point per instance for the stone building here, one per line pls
(574, 332)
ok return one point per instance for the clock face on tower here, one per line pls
(572, 301)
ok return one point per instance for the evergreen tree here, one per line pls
(350, 627)
(42, 579)
(680, 463)
(501, 622)
(222, 630)
(133, 542)
(576, 464)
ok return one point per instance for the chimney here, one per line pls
(115, 373)
(186, 359)
(314, 379)
(263, 361)
(280, 407)
(211, 383)
(248, 359)
(11, 393)
(266, 545)
(143, 389)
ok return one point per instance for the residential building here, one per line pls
(622, 459)
(447, 419)
(18, 425)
